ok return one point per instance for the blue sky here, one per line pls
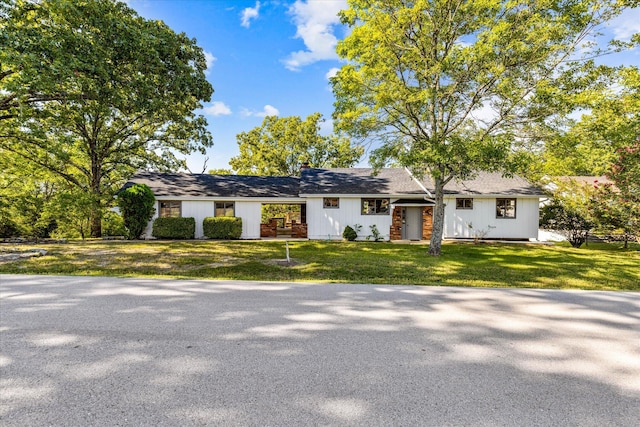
(274, 57)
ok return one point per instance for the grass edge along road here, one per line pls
(594, 267)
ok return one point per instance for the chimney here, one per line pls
(305, 165)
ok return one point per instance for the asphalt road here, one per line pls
(79, 351)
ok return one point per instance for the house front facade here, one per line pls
(322, 202)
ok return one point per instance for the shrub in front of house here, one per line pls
(349, 233)
(136, 207)
(174, 228)
(222, 227)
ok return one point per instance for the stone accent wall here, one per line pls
(427, 222)
(395, 231)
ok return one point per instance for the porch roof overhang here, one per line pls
(414, 202)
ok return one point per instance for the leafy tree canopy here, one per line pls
(92, 92)
(451, 87)
(610, 119)
(282, 144)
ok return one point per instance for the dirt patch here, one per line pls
(283, 262)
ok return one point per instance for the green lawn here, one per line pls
(597, 266)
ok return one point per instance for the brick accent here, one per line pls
(427, 222)
(395, 231)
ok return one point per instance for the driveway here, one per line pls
(89, 351)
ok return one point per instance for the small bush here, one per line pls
(222, 227)
(349, 233)
(174, 228)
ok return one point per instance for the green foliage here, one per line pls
(113, 225)
(220, 172)
(222, 227)
(281, 145)
(174, 228)
(92, 92)
(349, 233)
(616, 208)
(375, 233)
(72, 210)
(419, 76)
(567, 220)
(610, 120)
(8, 227)
(136, 205)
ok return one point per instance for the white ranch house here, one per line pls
(325, 201)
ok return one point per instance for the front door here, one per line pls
(412, 227)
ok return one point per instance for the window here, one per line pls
(464, 203)
(225, 209)
(171, 209)
(375, 206)
(505, 208)
(331, 203)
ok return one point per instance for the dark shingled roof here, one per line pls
(361, 181)
(488, 183)
(207, 185)
(358, 181)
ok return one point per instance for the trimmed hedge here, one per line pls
(222, 227)
(174, 228)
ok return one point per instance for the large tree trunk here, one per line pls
(96, 203)
(96, 220)
(438, 219)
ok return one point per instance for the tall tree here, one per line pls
(610, 119)
(617, 207)
(448, 87)
(282, 144)
(116, 93)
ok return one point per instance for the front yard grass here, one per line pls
(596, 267)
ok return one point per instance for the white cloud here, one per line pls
(267, 110)
(210, 59)
(218, 108)
(332, 73)
(249, 14)
(626, 25)
(314, 21)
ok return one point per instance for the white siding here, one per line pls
(326, 224)
(198, 210)
(250, 212)
(483, 217)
